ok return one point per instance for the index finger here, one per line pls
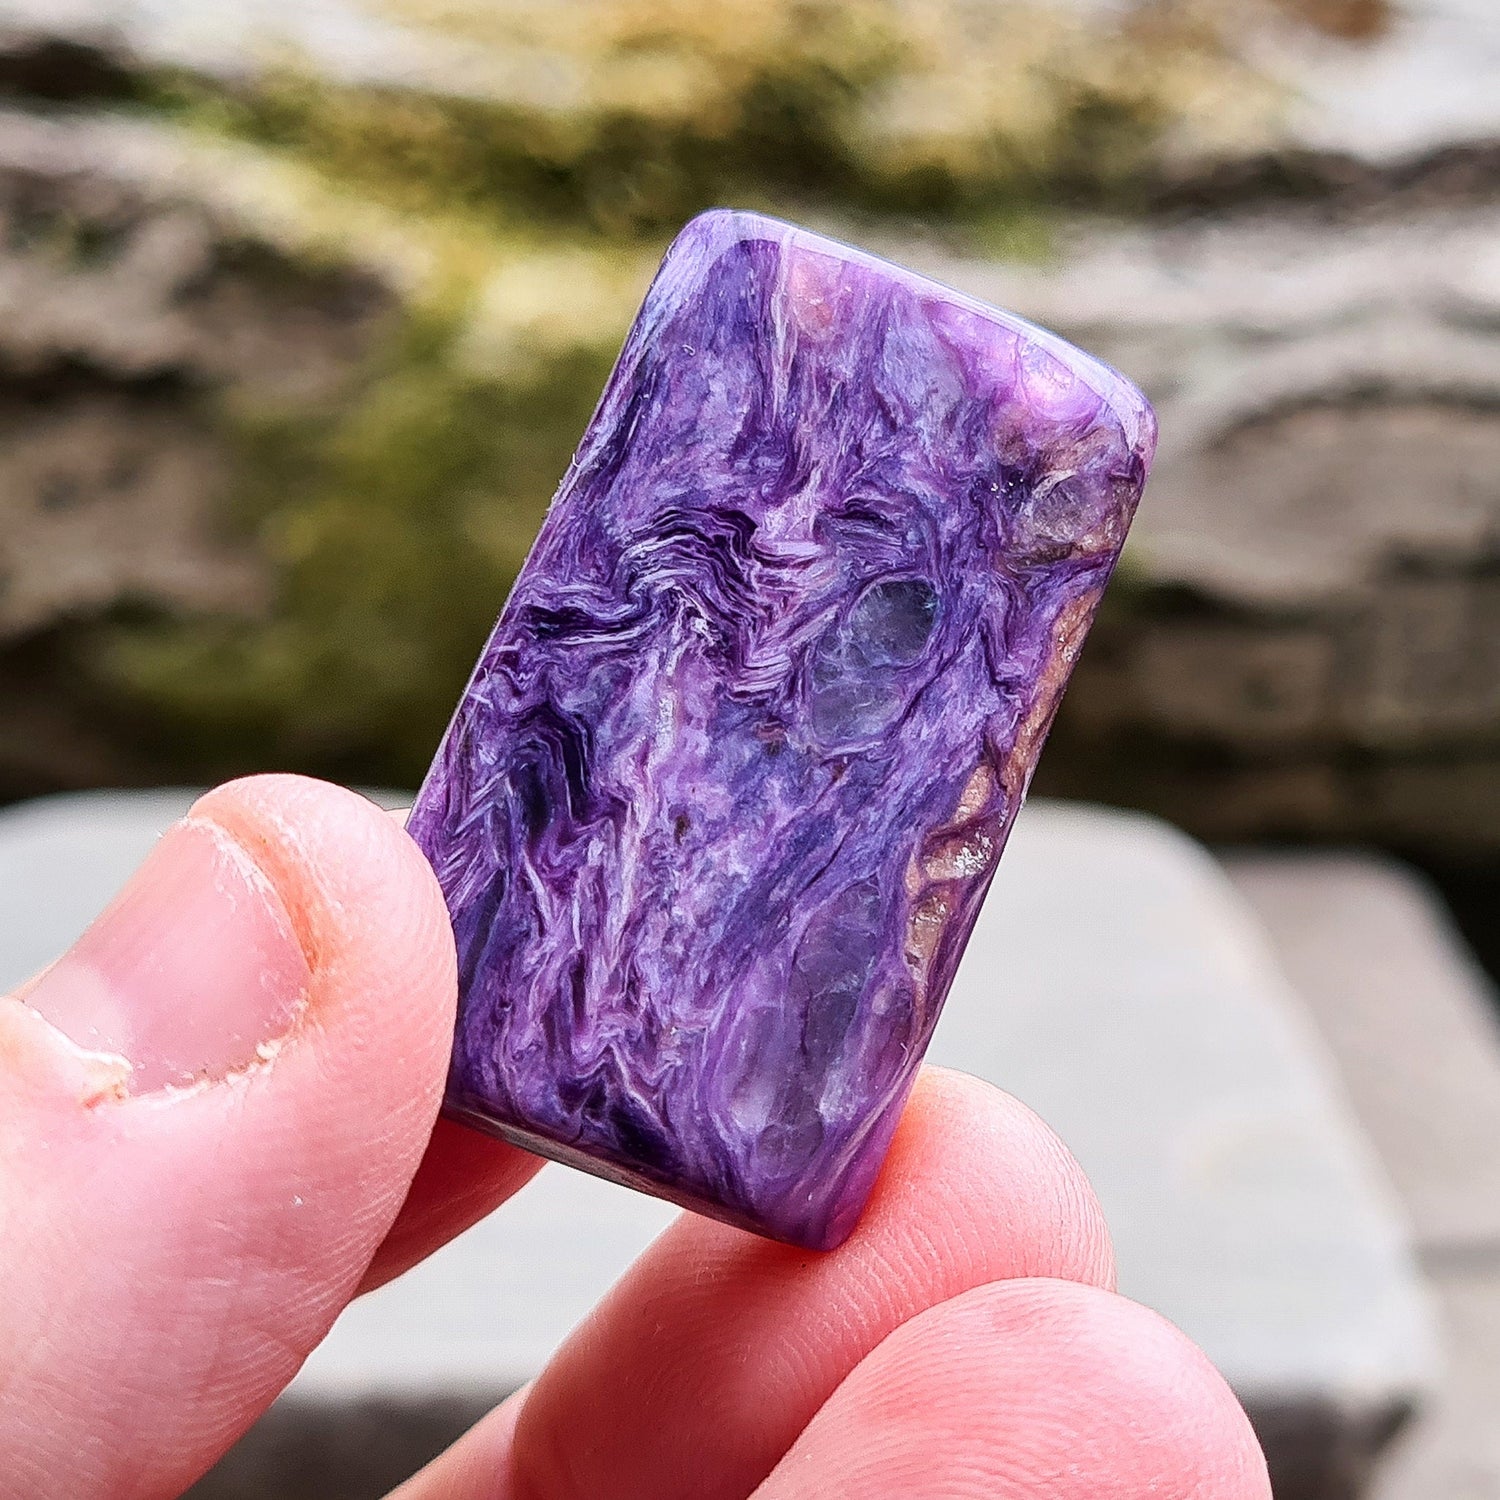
(719, 1343)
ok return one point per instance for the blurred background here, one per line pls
(304, 303)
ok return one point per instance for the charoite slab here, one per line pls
(716, 814)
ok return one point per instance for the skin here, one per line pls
(171, 1255)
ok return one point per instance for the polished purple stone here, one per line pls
(716, 814)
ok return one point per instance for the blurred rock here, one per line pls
(137, 298)
(1374, 95)
(128, 256)
(1305, 639)
(89, 41)
(1424, 84)
(1412, 1023)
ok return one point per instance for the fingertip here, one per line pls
(371, 917)
(244, 1204)
(967, 1155)
(1026, 1388)
(478, 1465)
(1121, 1372)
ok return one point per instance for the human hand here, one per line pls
(170, 1255)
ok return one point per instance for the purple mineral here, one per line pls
(716, 814)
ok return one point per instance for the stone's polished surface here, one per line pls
(716, 814)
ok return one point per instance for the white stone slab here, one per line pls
(1118, 984)
(1387, 979)
(1413, 1023)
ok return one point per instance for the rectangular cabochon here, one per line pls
(717, 811)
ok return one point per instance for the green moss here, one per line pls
(1021, 232)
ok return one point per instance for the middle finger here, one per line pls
(719, 1343)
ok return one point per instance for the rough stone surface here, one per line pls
(1413, 1025)
(1305, 643)
(718, 808)
(1454, 1451)
(1424, 87)
(1374, 955)
(349, 41)
(1412, 93)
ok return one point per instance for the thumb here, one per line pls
(210, 1111)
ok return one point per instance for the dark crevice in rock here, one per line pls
(1319, 1450)
(56, 70)
(1330, 185)
(1471, 888)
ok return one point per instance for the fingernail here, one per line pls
(193, 971)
